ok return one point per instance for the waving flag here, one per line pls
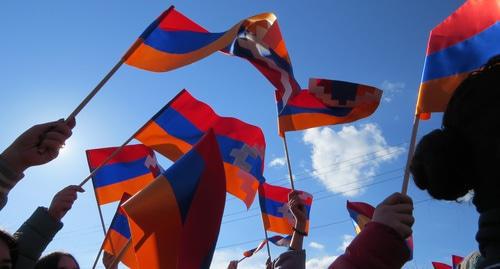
(440, 265)
(281, 241)
(181, 123)
(249, 253)
(275, 211)
(361, 213)
(118, 236)
(133, 168)
(456, 260)
(327, 102)
(175, 220)
(462, 43)
(173, 40)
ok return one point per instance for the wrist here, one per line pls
(11, 165)
(300, 226)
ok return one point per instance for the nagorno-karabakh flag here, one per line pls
(175, 221)
(462, 43)
(184, 120)
(133, 168)
(118, 236)
(327, 102)
(275, 210)
(173, 41)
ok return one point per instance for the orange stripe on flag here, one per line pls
(156, 138)
(155, 209)
(240, 183)
(435, 94)
(114, 192)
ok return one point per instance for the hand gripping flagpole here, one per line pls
(411, 150)
(288, 161)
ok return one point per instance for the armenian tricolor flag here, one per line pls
(184, 120)
(118, 236)
(275, 211)
(456, 260)
(173, 40)
(175, 220)
(440, 265)
(133, 168)
(361, 213)
(327, 102)
(462, 43)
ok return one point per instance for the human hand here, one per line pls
(233, 265)
(38, 145)
(63, 201)
(298, 210)
(269, 264)
(108, 259)
(396, 212)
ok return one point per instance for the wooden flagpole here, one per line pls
(288, 162)
(411, 149)
(96, 89)
(267, 245)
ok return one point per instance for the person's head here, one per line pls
(57, 260)
(8, 250)
(464, 154)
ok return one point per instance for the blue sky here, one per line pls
(54, 52)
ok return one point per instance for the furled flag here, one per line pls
(462, 43)
(249, 253)
(184, 120)
(362, 213)
(456, 260)
(133, 168)
(275, 211)
(281, 241)
(440, 265)
(327, 102)
(118, 236)
(173, 40)
(175, 220)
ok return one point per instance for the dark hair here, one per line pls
(451, 161)
(51, 260)
(11, 243)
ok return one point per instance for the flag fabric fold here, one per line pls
(440, 265)
(275, 211)
(118, 236)
(249, 253)
(456, 260)
(362, 213)
(184, 120)
(175, 220)
(327, 102)
(281, 241)
(173, 40)
(134, 167)
(462, 43)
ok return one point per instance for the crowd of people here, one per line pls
(449, 162)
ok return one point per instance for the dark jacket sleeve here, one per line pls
(8, 180)
(291, 259)
(377, 247)
(34, 236)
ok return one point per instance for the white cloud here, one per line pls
(345, 160)
(320, 263)
(391, 89)
(277, 162)
(346, 240)
(316, 245)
